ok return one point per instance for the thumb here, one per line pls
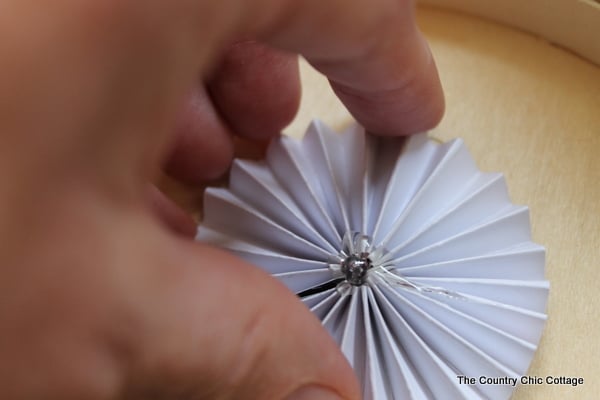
(223, 329)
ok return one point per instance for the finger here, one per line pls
(372, 52)
(170, 213)
(250, 149)
(256, 89)
(246, 336)
(400, 95)
(203, 145)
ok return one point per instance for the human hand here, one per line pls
(98, 300)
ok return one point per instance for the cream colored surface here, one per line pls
(532, 111)
(574, 24)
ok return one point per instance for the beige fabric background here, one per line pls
(531, 110)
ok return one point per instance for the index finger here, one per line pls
(374, 55)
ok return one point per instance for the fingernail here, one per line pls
(313, 393)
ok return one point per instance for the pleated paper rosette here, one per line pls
(416, 262)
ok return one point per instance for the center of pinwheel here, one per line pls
(355, 268)
(356, 261)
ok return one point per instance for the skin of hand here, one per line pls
(99, 298)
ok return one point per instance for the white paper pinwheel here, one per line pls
(417, 263)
